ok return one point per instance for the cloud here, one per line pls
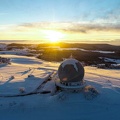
(109, 21)
(71, 30)
(60, 26)
(91, 27)
(74, 30)
(6, 27)
(67, 27)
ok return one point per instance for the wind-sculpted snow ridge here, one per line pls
(29, 73)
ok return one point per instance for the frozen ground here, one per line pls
(61, 106)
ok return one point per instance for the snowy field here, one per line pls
(99, 51)
(61, 106)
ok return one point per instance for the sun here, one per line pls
(53, 36)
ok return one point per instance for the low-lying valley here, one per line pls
(100, 55)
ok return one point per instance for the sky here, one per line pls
(60, 20)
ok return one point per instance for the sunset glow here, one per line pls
(53, 36)
(64, 20)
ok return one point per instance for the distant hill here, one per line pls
(105, 47)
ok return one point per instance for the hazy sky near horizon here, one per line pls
(65, 20)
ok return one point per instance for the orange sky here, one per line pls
(60, 20)
(52, 32)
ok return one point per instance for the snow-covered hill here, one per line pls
(27, 73)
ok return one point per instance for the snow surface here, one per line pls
(70, 62)
(62, 105)
(21, 68)
(112, 60)
(99, 51)
(14, 52)
(50, 87)
(3, 46)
